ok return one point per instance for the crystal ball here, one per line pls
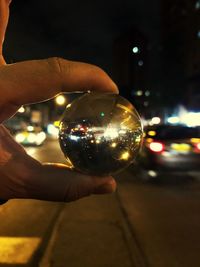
(100, 134)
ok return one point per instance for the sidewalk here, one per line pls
(89, 233)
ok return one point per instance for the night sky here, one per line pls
(76, 30)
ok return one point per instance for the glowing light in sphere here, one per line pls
(100, 134)
(60, 100)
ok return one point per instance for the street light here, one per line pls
(60, 100)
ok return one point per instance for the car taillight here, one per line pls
(198, 146)
(156, 147)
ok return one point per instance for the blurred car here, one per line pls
(170, 148)
(32, 136)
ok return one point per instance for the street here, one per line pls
(143, 224)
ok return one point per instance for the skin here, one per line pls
(27, 82)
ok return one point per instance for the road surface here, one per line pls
(142, 224)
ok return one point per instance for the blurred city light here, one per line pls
(125, 156)
(155, 120)
(20, 137)
(140, 63)
(60, 100)
(135, 50)
(147, 93)
(173, 120)
(56, 123)
(139, 93)
(68, 106)
(151, 133)
(197, 5)
(52, 130)
(30, 128)
(31, 138)
(111, 132)
(156, 147)
(21, 110)
(27, 138)
(152, 173)
(191, 119)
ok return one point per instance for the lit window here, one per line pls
(198, 34)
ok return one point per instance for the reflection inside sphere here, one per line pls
(100, 134)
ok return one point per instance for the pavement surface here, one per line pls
(153, 224)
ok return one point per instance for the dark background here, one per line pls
(166, 69)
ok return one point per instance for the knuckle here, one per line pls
(60, 66)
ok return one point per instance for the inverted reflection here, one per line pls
(100, 133)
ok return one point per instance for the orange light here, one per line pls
(198, 146)
(156, 147)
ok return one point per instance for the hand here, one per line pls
(32, 81)
(4, 15)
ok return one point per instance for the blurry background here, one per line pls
(150, 49)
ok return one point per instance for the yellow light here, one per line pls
(195, 140)
(139, 93)
(155, 120)
(21, 110)
(149, 140)
(20, 137)
(138, 139)
(125, 120)
(60, 100)
(111, 132)
(40, 137)
(31, 138)
(125, 156)
(56, 123)
(68, 106)
(113, 145)
(181, 147)
(152, 133)
(126, 109)
(17, 250)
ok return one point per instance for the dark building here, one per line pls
(181, 53)
(130, 66)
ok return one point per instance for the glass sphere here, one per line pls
(100, 134)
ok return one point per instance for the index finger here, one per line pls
(38, 80)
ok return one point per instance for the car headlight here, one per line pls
(31, 138)
(20, 137)
(40, 138)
